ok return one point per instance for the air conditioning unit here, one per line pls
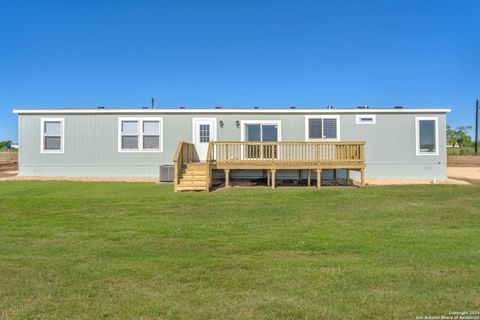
(166, 173)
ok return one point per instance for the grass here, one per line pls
(465, 151)
(137, 250)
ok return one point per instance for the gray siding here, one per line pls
(91, 144)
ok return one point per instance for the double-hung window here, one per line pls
(426, 129)
(140, 135)
(322, 128)
(52, 135)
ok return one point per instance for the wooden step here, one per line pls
(196, 164)
(194, 172)
(199, 169)
(193, 181)
(192, 187)
(193, 175)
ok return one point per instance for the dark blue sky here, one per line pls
(239, 54)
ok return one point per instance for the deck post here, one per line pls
(319, 178)
(227, 178)
(309, 177)
(268, 178)
(273, 178)
(348, 177)
(362, 177)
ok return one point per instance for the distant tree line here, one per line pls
(7, 144)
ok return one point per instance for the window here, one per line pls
(204, 133)
(151, 135)
(426, 135)
(140, 134)
(365, 119)
(52, 135)
(260, 130)
(322, 128)
(129, 135)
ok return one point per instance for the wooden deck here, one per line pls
(270, 156)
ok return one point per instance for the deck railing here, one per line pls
(284, 153)
(185, 154)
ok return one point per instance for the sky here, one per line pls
(270, 54)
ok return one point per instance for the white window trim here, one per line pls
(278, 123)
(139, 133)
(307, 133)
(417, 136)
(213, 136)
(42, 135)
(358, 118)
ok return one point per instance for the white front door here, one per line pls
(204, 131)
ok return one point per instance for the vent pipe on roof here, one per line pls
(153, 102)
(293, 107)
(101, 107)
(329, 107)
(398, 107)
(181, 107)
(255, 107)
(363, 107)
(218, 107)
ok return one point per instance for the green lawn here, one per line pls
(465, 151)
(138, 250)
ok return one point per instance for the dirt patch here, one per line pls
(463, 161)
(470, 174)
(7, 175)
(8, 166)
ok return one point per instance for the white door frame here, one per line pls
(213, 133)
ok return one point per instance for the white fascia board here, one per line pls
(226, 111)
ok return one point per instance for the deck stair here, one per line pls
(193, 177)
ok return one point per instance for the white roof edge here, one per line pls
(165, 111)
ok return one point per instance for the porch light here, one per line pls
(237, 123)
(221, 123)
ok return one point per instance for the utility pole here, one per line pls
(477, 110)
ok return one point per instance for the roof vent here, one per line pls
(181, 107)
(255, 107)
(101, 107)
(218, 107)
(329, 107)
(398, 107)
(293, 107)
(144, 107)
(363, 107)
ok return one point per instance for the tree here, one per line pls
(463, 139)
(451, 137)
(5, 144)
(459, 136)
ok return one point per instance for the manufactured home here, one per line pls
(193, 147)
